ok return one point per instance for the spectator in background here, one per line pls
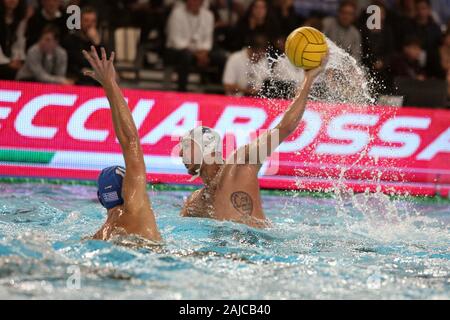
(150, 16)
(411, 62)
(342, 31)
(256, 20)
(190, 31)
(46, 60)
(49, 14)
(286, 15)
(80, 40)
(12, 37)
(428, 31)
(226, 15)
(246, 70)
(406, 8)
(109, 13)
(31, 8)
(402, 18)
(377, 48)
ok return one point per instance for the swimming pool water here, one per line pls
(339, 247)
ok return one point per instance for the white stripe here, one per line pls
(9, 96)
(165, 164)
(4, 112)
(91, 160)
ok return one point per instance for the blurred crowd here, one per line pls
(223, 39)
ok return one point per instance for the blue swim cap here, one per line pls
(110, 187)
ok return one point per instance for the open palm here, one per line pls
(102, 69)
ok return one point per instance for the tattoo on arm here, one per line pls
(242, 202)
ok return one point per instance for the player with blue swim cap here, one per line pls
(123, 192)
(110, 186)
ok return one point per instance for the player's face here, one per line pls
(191, 155)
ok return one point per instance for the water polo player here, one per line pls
(231, 189)
(122, 191)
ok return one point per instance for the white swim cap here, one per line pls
(207, 139)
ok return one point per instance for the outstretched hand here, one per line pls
(313, 73)
(102, 69)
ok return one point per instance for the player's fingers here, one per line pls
(94, 55)
(87, 56)
(91, 60)
(111, 58)
(103, 52)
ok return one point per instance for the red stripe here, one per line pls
(277, 182)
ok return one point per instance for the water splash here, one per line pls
(343, 81)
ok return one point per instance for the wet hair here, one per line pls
(50, 28)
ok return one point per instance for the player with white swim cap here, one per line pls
(231, 188)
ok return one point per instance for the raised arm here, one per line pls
(134, 183)
(257, 151)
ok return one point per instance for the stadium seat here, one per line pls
(126, 42)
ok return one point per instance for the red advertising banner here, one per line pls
(66, 132)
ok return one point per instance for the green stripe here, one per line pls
(190, 188)
(26, 156)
